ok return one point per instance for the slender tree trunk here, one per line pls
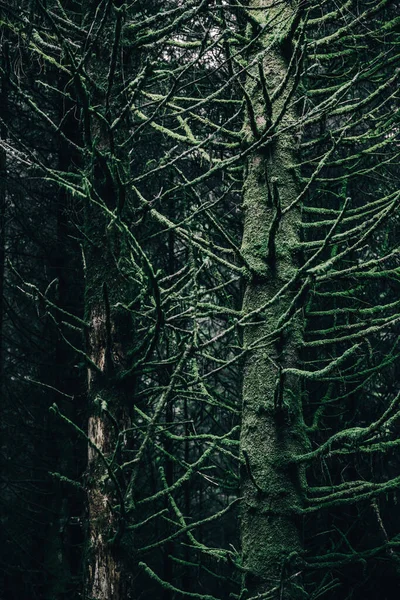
(103, 570)
(272, 424)
(107, 416)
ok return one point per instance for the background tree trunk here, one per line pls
(106, 415)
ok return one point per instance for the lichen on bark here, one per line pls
(272, 426)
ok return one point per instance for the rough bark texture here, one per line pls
(107, 412)
(104, 575)
(271, 429)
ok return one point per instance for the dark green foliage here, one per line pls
(129, 134)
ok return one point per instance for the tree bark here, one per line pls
(108, 415)
(272, 423)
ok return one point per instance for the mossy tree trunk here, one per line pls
(272, 423)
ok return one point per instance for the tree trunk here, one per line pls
(107, 416)
(272, 424)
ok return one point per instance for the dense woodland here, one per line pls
(200, 299)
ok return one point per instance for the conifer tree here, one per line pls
(200, 203)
